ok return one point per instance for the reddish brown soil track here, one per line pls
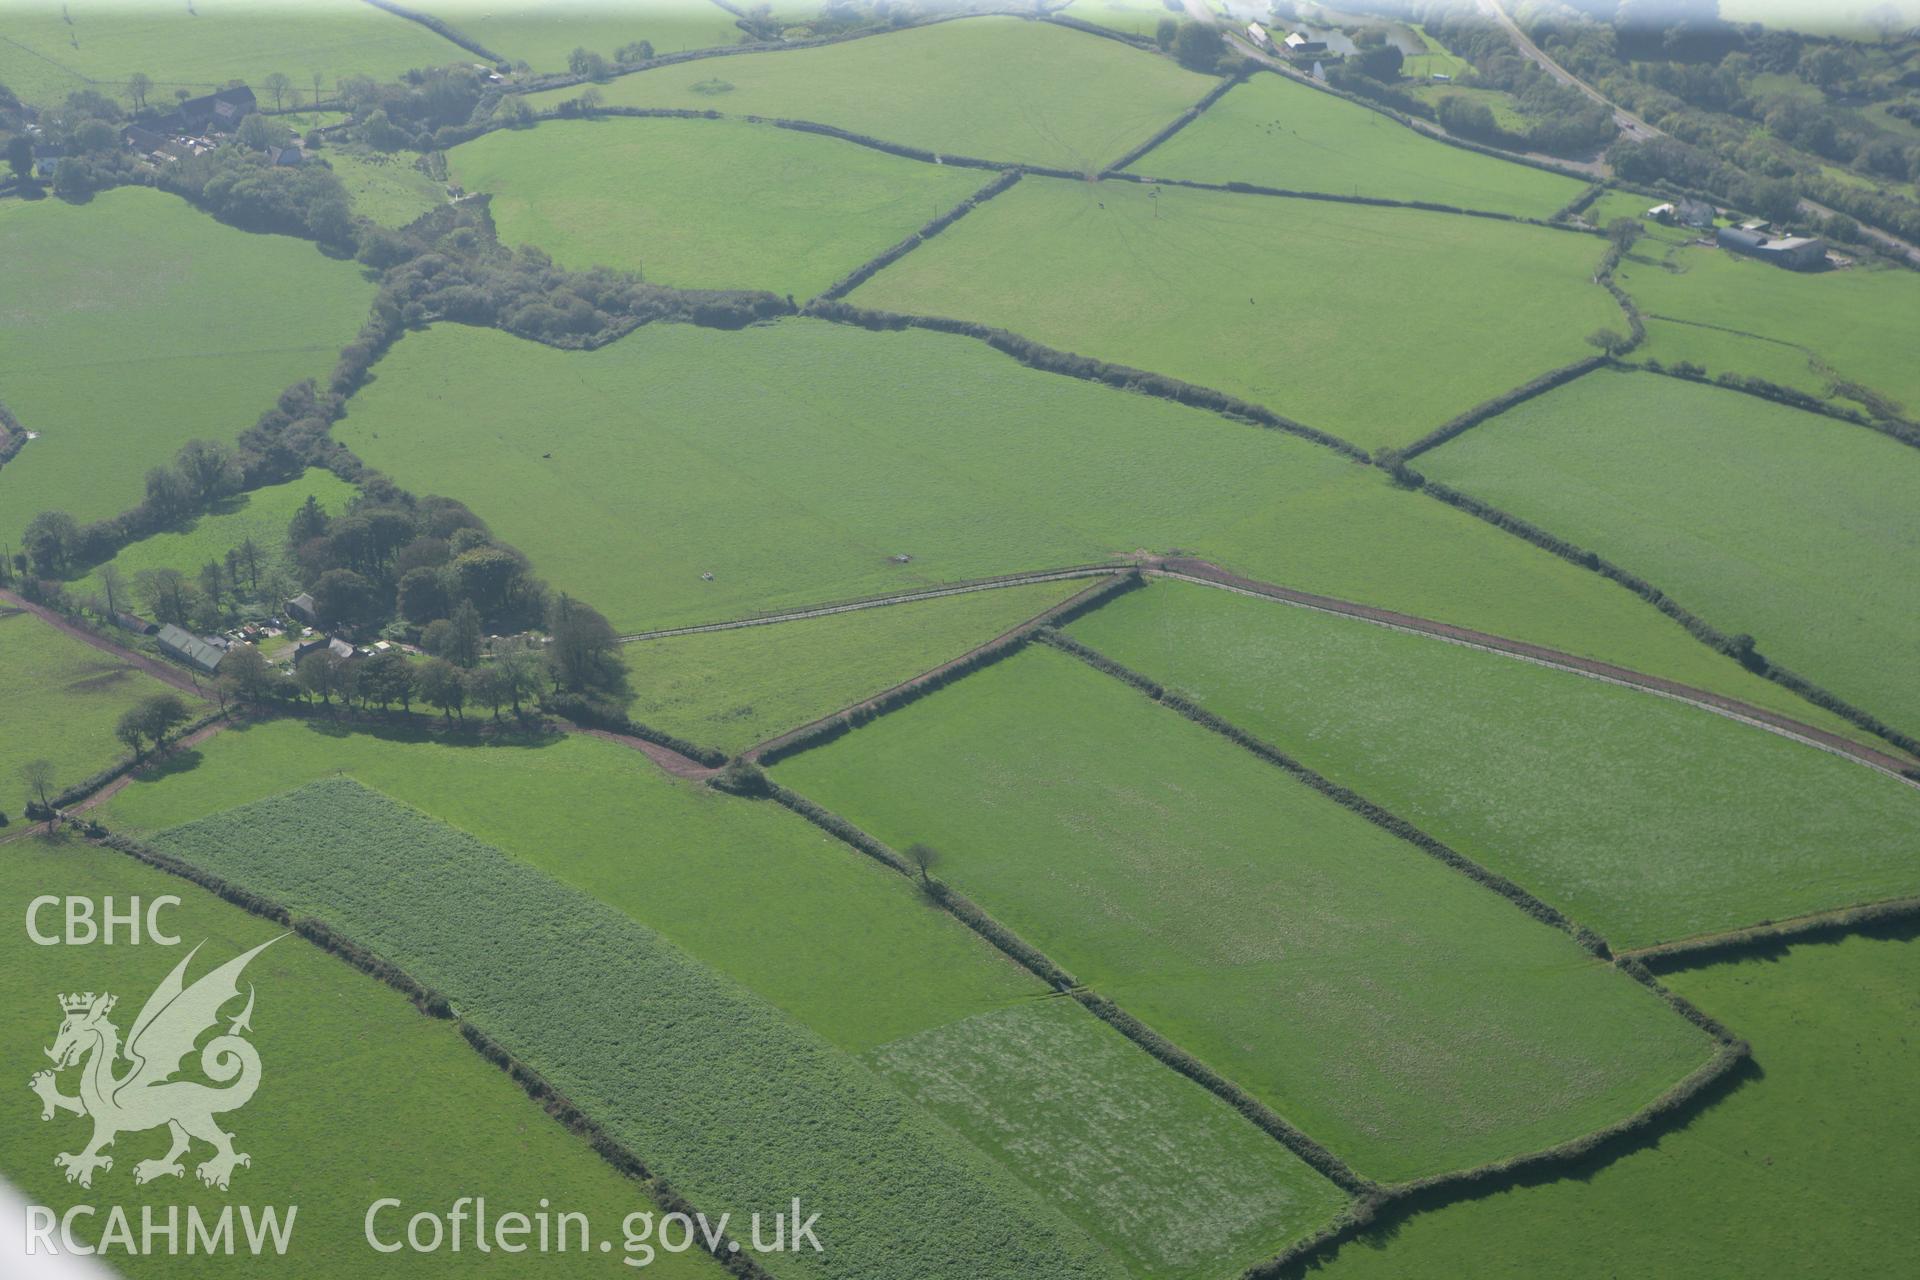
(1208, 574)
(672, 761)
(159, 670)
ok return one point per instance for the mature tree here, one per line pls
(257, 133)
(637, 51)
(160, 714)
(422, 595)
(38, 775)
(463, 640)
(590, 100)
(1165, 34)
(51, 540)
(584, 653)
(924, 857)
(441, 686)
(208, 468)
(1382, 63)
(585, 62)
(319, 675)
(486, 576)
(1611, 341)
(341, 595)
(521, 668)
(20, 155)
(139, 85)
(309, 522)
(168, 496)
(277, 84)
(114, 583)
(213, 581)
(1623, 232)
(387, 678)
(131, 729)
(248, 673)
(1198, 46)
(490, 687)
(167, 594)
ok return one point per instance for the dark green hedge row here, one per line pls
(865, 271)
(1385, 819)
(1895, 917)
(13, 436)
(245, 899)
(1887, 422)
(1500, 404)
(1580, 203)
(1637, 327)
(1094, 29)
(126, 764)
(451, 34)
(598, 714)
(1041, 966)
(322, 935)
(1180, 121)
(826, 730)
(1050, 360)
(900, 149)
(1740, 648)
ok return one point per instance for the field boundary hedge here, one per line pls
(601, 715)
(887, 257)
(1179, 122)
(1580, 203)
(1740, 648)
(80, 790)
(1047, 359)
(446, 31)
(435, 1005)
(1335, 197)
(1892, 426)
(1506, 400)
(1064, 19)
(1771, 936)
(13, 436)
(839, 723)
(1035, 961)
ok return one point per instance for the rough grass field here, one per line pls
(1402, 1015)
(793, 460)
(543, 33)
(261, 514)
(1865, 321)
(1799, 530)
(361, 1096)
(1752, 1186)
(55, 47)
(730, 205)
(134, 323)
(737, 1104)
(1640, 817)
(995, 88)
(731, 689)
(1276, 132)
(59, 700)
(385, 187)
(1136, 17)
(1718, 351)
(841, 944)
(1273, 300)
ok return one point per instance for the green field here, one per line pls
(1505, 107)
(59, 700)
(1402, 1015)
(1799, 530)
(385, 187)
(1805, 1170)
(54, 47)
(1135, 17)
(1276, 301)
(1612, 205)
(994, 88)
(1865, 321)
(793, 460)
(1720, 351)
(361, 1096)
(1640, 817)
(730, 205)
(1849, 19)
(542, 33)
(261, 514)
(1276, 132)
(731, 689)
(719, 1065)
(1437, 60)
(135, 323)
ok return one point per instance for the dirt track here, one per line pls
(672, 761)
(159, 670)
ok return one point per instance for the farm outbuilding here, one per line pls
(303, 608)
(189, 648)
(1797, 253)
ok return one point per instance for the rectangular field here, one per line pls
(361, 1097)
(793, 461)
(993, 88)
(59, 700)
(385, 187)
(1288, 303)
(1799, 530)
(1640, 817)
(1825, 1121)
(731, 689)
(1404, 1016)
(735, 1103)
(134, 323)
(543, 33)
(729, 205)
(1275, 132)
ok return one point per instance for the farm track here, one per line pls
(1205, 573)
(666, 757)
(167, 674)
(876, 602)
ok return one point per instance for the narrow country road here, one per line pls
(1631, 125)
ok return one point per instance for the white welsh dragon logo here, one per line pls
(146, 1095)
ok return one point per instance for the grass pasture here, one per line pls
(1640, 817)
(1826, 1123)
(994, 88)
(1799, 530)
(1405, 1017)
(1720, 351)
(261, 514)
(54, 47)
(1273, 300)
(542, 33)
(134, 323)
(59, 700)
(1276, 132)
(730, 205)
(361, 1097)
(385, 187)
(1134, 17)
(742, 1106)
(1863, 321)
(793, 460)
(731, 689)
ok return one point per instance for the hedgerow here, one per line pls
(599, 713)
(865, 271)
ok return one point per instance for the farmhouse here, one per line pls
(1303, 45)
(189, 648)
(1683, 213)
(219, 112)
(1258, 34)
(303, 608)
(1797, 253)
